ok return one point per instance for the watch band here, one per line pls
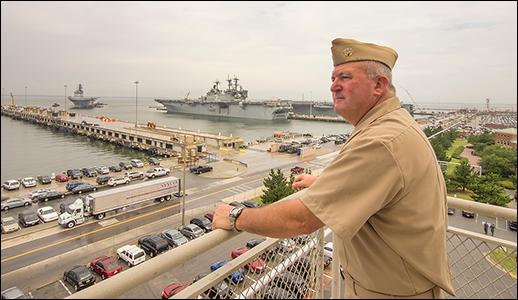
(234, 213)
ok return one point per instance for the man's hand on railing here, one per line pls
(221, 220)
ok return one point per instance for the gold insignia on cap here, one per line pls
(348, 51)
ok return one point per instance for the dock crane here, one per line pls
(412, 99)
(12, 103)
(186, 96)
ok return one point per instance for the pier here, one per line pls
(317, 118)
(156, 139)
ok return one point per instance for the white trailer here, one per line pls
(98, 204)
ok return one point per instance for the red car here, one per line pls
(173, 289)
(106, 266)
(209, 216)
(62, 177)
(257, 264)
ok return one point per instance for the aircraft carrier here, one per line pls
(80, 101)
(229, 103)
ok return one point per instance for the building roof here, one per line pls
(507, 130)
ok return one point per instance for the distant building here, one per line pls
(506, 137)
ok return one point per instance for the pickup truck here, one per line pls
(201, 169)
(157, 172)
(297, 169)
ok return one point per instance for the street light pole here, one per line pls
(25, 96)
(65, 97)
(183, 181)
(136, 99)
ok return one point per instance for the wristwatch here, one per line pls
(234, 213)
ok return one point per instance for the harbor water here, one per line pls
(30, 150)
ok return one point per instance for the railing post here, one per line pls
(335, 288)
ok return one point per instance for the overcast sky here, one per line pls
(449, 52)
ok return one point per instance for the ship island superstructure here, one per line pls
(80, 101)
(229, 103)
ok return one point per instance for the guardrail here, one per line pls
(481, 266)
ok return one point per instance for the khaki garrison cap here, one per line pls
(348, 50)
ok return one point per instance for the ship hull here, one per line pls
(81, 102)
(262, 110)
(314, 108)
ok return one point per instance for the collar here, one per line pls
(376, 112)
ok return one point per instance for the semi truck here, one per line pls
(96, 205)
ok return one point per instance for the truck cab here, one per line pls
(74, 214)
(131, 254)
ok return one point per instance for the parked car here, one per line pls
(236, 277)
(126, 165)
(292, 282)
(102, 170)
(5, 198)
(103, 179)
(275, 292)
(74, 174)
(203, 223)
(73, 184)
(106, 266)
(44, 179)
(131, 254)
(11, 185)
(137, 163)
(191, 231)
(79, 277)
(153, 245)
(328, 249)
(115, 168)
(173, 237)
(153, 161)
(203, 169)
(16, 202)
(28, 182)
(173, 289)
(89, 172)
(250, 204)
(157, 172)
(50, 196)
(114, 181)
(257, 264)
(254, 242)
(134, 174)
(327, 261)
(512, 225)
(209, 216)
(47, 214)
(35, 193)
(9, 224)
(451, 211)
(468, 214)
(84, 188)
(28, 218)
(221, 290)
(62, 177)
(13, 293)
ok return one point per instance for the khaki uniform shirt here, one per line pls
(384, 196)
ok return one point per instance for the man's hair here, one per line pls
(374, 69)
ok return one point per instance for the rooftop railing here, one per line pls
(482, 266)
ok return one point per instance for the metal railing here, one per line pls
(481, 266)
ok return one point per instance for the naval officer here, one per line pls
(384, 194)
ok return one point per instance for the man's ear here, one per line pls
(381, 85)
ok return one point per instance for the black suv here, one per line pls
(74, 174)
(89, 172)
(126, 165)
(28, 218)
(153, 161)
(153, 245)
(103, 179)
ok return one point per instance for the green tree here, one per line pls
(439, 150)
(481, 141)
(498, 159)
(462, 174)
(487, 190)
(277, 187)
(512, 178)
(451, 185)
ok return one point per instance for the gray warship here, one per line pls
(80, 101)
(229, 103)
(323, 108)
